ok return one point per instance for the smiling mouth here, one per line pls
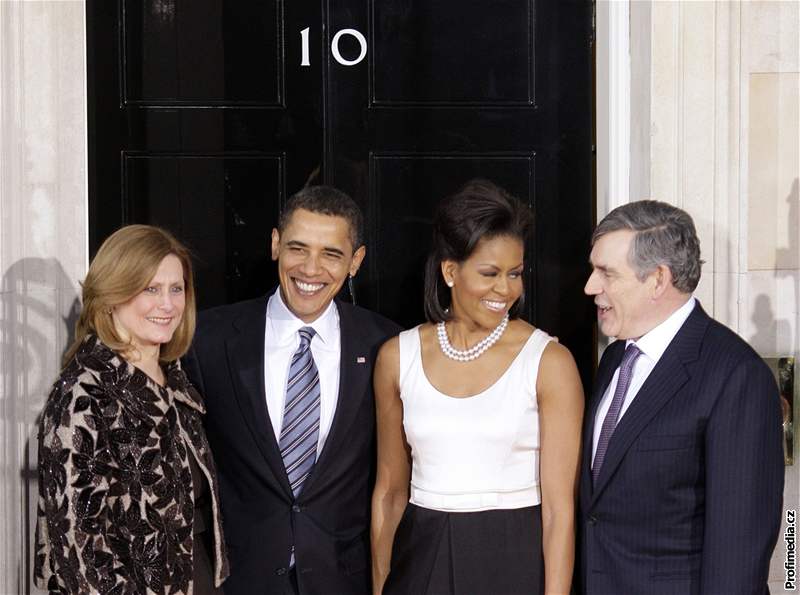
(603, 309)
(307, 289)
(159, 321)
(495, 306)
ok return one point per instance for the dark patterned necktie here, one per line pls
(612, 416)
(300, 431)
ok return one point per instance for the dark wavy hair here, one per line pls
(480, 210)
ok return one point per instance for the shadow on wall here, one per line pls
(39, 309)
(790, 255)
(771, 334)
(767, 327)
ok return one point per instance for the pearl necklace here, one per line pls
(476, 350)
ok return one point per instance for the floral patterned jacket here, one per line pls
(116, 505)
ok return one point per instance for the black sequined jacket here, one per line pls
(116, 504)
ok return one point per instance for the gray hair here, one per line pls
(665, 235)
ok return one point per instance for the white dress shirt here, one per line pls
(652, 345)
(281, 340)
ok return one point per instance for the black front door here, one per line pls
(205, 115)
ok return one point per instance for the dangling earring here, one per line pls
(352, 291)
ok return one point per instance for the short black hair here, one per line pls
(326, 200)
(480, 210)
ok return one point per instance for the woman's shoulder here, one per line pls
(521, 335)
(556, 362)
(86, 378)
(551, 355)
(424, 332)
(522, 329)
(68, 400)
(90, 359)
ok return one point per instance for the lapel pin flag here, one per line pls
(361, 360)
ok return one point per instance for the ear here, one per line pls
(358, 258)
(449, 270)
(276, 243)
(662, 281)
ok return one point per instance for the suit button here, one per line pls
(296, 508)
(592, 519)
(280, 571)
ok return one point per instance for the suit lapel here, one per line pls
(666, 379)
(245, 353)
(354, 371)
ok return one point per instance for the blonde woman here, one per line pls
(127, 484)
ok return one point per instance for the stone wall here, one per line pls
(43, 242)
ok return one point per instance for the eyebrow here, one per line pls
(494, 266)
(170, 283)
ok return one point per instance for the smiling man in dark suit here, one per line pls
(682, 472)
(288, 386)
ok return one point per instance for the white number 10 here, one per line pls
(362, 42)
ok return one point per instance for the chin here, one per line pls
(613, 333)
(160, 340)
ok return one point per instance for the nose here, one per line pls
(501, 285)
(592, 286)
(310, 265)
(167, 301)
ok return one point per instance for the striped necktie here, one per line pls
(300, 431)
(612, 416)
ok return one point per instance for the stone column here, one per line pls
(43, 242)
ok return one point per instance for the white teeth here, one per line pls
(499, 306)
(309, 287)
(160, 320)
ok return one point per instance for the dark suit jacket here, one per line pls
(689, 496)
(329, 522)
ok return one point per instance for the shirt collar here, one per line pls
(284, 325)
(655, 342)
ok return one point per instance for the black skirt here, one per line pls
(494, 552)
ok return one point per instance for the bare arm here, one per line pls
(390, 497)
(560, 396)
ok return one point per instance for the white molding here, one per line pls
(613, 94)
(85, 144)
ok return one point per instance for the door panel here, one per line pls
(417, 60)
(178, 53)
(196, 125)
(204, 117)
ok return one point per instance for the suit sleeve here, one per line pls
(744, 482)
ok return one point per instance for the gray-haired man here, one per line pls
(682, 473)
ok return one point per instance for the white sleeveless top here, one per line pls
(474, 453)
